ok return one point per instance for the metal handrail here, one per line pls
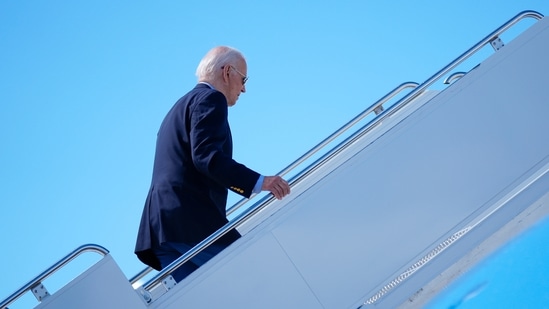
(375, 107)
(140, 275)
(269, 198)
(48, 272)
(455, 76)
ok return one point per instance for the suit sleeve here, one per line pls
(211, 144)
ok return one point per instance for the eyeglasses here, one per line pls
(244, 77)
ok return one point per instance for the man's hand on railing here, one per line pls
(276, 185)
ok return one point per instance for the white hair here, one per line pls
(215, 59)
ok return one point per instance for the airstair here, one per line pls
(412, 194)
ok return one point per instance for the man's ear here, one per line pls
(226, 72)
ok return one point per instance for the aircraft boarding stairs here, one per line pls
(397, 209)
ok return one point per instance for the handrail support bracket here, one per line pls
(496, 43)
(40, 291)
(379, 109)
(169, 282)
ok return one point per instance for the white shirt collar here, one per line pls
(209, 85)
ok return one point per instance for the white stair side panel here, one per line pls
(257, 275)
(101, 286)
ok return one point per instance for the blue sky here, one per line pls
(84, 86)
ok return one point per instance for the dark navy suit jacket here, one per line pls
(193, 168)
